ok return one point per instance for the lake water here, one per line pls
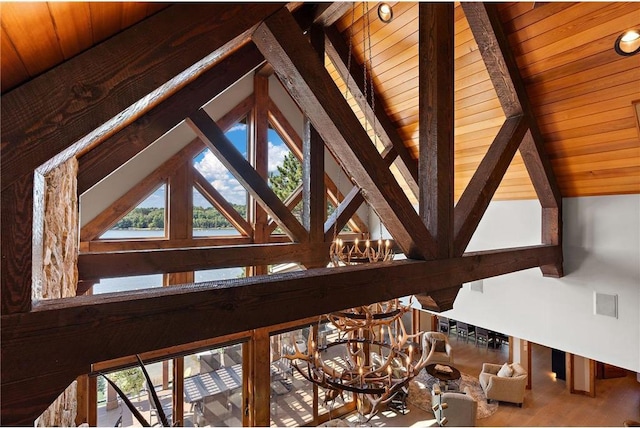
(129, 283)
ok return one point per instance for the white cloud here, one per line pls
(221, 179)
(276, 155)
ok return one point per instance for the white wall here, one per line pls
(601, 252)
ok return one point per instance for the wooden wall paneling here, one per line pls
(221, 204)
(485, 24)
(128, 142)
(145, 262)
(338, 52)
(476, 197)
(207, 129)
(17, 244)
(305, 77)
(140, 321)
(119, 208)
(436, 123)
(119, 73)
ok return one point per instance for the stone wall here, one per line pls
(60, 267)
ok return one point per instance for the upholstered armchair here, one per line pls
(505, 382)
(438, 348)
(461, 410)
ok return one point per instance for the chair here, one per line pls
(482, 334)
(465, 330)
(437, 352)
(445, 325)
(461, 409)
(153, 410)
(503, 388)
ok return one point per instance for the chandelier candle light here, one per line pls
(342, 253)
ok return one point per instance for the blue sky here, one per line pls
(217, 174)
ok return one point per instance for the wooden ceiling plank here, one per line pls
(104, 89)
(42, 47)
(436, 123)
(485, 181)
(303, 74)
(72, 21)
(221, 204)
(146, 320)
(138, 192)
(105, 19)
(95, 266)
(101, 161)
(338, 52)
(13, 69)
(224, 150)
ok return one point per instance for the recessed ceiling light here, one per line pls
(385, 13)
(628, 43)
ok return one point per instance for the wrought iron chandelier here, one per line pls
(373, 356)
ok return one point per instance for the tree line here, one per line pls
(153, 218)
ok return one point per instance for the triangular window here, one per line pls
(208, 221)
(146, 220)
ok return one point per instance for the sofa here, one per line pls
(504, 382)
(459, 409)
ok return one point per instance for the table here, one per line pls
(447, 378)
(203, 385)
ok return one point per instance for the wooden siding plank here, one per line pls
(284, 46)
(224, 150)
(56, 111)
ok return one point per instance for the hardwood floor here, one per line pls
(548, 403)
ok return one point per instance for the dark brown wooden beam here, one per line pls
(295, 62)
(218, 143)
(128, 263)
(485, 181)
(221, 204)
(17, 245)
(52, 115)
(83, 330)
(96, 164)
(291, 202)
(343, 212)
(328, 13)
(439, 300)
(436, 147)
(338, 53)
(485, 24)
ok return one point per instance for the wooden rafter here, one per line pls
(119, 208)
(186, 313)
(103, 83)
(328, 13)
(338, 51)
(476, 197)
(343, 213)
(291, 202)
(487, 30)
(282, 43)
(119, 148)
(335, 196)
(215, 139)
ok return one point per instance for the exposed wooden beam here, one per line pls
(343, 212)
(101, 161)
(439, 300)
(144, 244)
(335, 196)
(127, 263)
(218, 143)
(435, 79)
(146, 320)
(295, 62)
(338, 52)
(17, 245)
(485, 24)
(97, 93)
(328, 13)
(119, 208)
(291, 201)
(485, 181)
(221, 204)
